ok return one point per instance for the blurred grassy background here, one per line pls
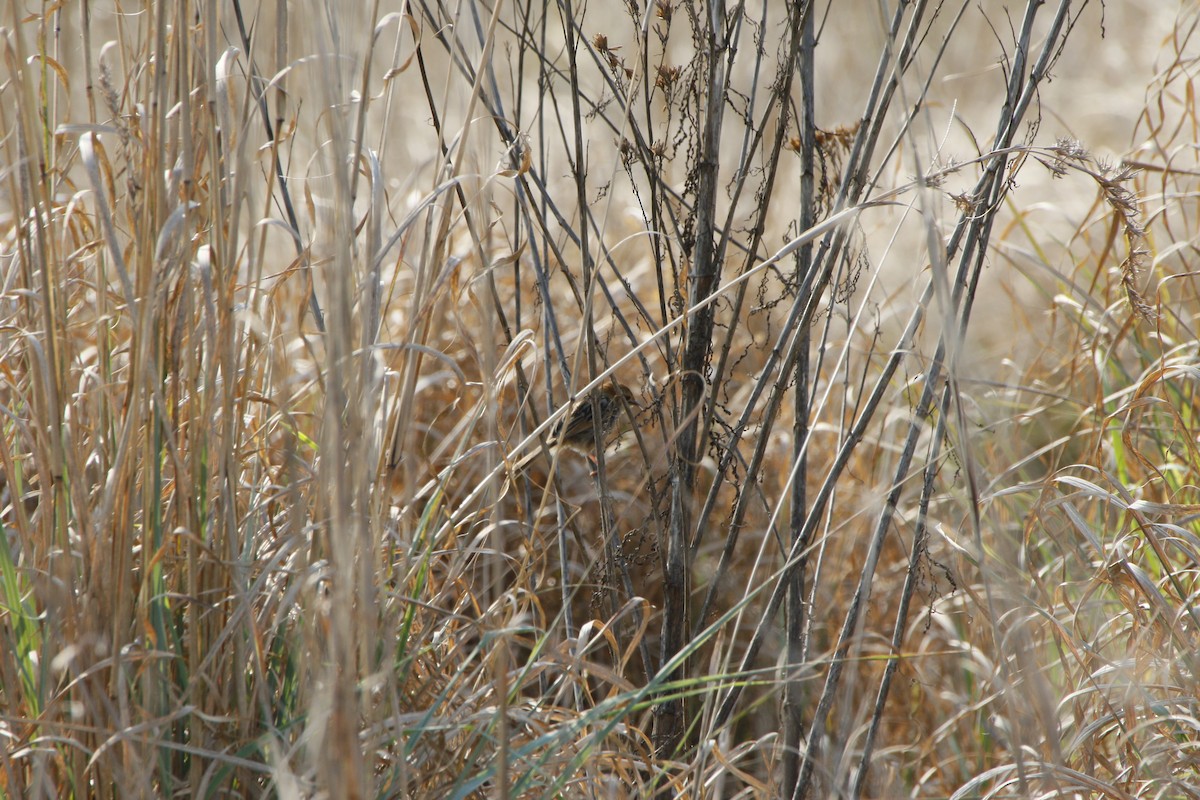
(288, 289)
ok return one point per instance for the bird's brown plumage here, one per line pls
(577, 432)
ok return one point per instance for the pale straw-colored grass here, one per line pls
(908, 507)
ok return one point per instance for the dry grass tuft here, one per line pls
(287, 292)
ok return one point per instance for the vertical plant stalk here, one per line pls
(704, 275)
(273, 131)
(916, 553)
(794, 622)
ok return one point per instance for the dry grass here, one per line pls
(283, 302)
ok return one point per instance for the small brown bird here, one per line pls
(577, 434)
